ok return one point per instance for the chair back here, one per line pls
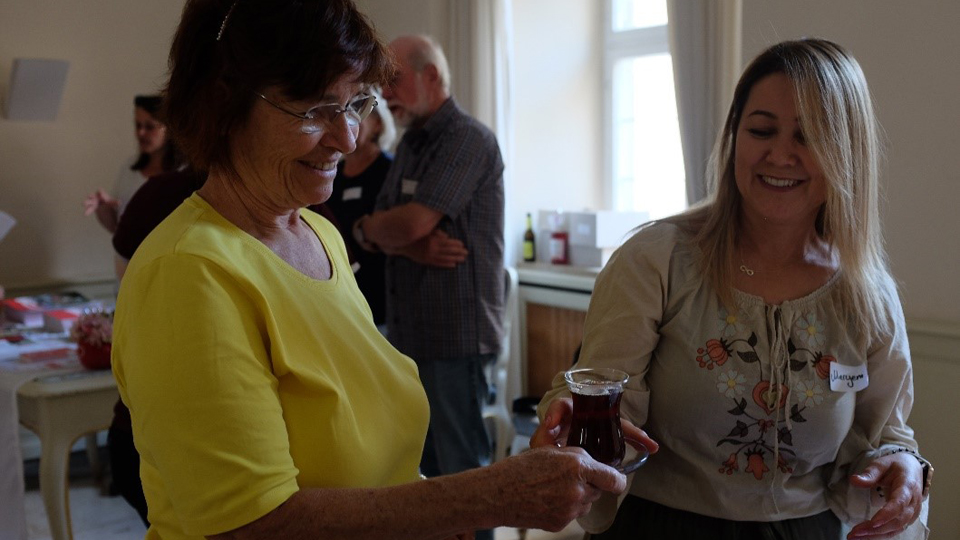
(505, 372)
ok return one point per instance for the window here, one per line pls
(644, 160)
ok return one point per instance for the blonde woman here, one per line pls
(763, 332)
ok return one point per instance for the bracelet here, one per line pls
(927, 467)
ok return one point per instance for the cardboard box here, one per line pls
(590, 257)
(603, 228)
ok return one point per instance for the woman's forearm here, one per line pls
(436, 508)
(544, 488)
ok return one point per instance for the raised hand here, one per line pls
(555, 428)
(104, 206)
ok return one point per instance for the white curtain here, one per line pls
(705, 47)
(479, 47)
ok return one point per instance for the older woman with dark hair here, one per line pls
(264, 402)
(762, 331)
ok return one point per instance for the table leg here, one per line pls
(54, 464)
(93, 456)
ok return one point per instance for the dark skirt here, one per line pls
(640, 519)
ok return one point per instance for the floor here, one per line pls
(100, 517)
(95, 516)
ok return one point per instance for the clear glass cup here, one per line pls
(595, 425)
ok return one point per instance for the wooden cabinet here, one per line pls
(553, 335)
(553, 307)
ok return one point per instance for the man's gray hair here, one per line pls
(430, 52)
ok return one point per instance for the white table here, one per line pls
(60, 409)
(60, 401)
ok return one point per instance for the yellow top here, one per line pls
(247, 379)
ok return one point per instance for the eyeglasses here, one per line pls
(324, 115)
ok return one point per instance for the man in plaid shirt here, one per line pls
(440, 220)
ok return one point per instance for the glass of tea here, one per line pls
(595, 425)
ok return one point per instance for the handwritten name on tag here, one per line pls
(352, 194)
(848, 378)
(408, 187)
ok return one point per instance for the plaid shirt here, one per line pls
(452, 164)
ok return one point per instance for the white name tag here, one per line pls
(408, 187)
(848, 378)
(352, 194)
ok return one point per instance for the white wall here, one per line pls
(392, 18)
(558, 106)
(116, 49)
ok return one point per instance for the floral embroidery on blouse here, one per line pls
(758, 434)
(729, 324)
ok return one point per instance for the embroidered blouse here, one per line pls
(761, 414)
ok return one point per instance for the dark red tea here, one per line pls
(596, 426)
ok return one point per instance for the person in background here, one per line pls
(439, 219)
(157, 155)
(360, 176)
(763, 333)
(263, 400)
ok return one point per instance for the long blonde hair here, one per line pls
(838, 121)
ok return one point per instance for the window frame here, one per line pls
(617, 46)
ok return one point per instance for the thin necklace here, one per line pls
(743, 266)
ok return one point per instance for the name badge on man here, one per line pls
(408, 187)
(848, 378)
(352, 194)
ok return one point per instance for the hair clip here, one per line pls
(226, 17)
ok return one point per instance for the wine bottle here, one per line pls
(529, 242)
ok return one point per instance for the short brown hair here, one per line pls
(226, 50)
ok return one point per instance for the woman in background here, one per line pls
(359, 178)
(763, 333)
(157, 155)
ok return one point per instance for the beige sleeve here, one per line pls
(880, 421)
(622, 331)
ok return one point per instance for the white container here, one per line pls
(603, 228)
(590, 257)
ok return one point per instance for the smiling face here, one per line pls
(283, 167)
(151, 134)
(779, 180)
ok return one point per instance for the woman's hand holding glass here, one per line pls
(549, 487)
(555, 428)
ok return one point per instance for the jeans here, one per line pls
(457, 439)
